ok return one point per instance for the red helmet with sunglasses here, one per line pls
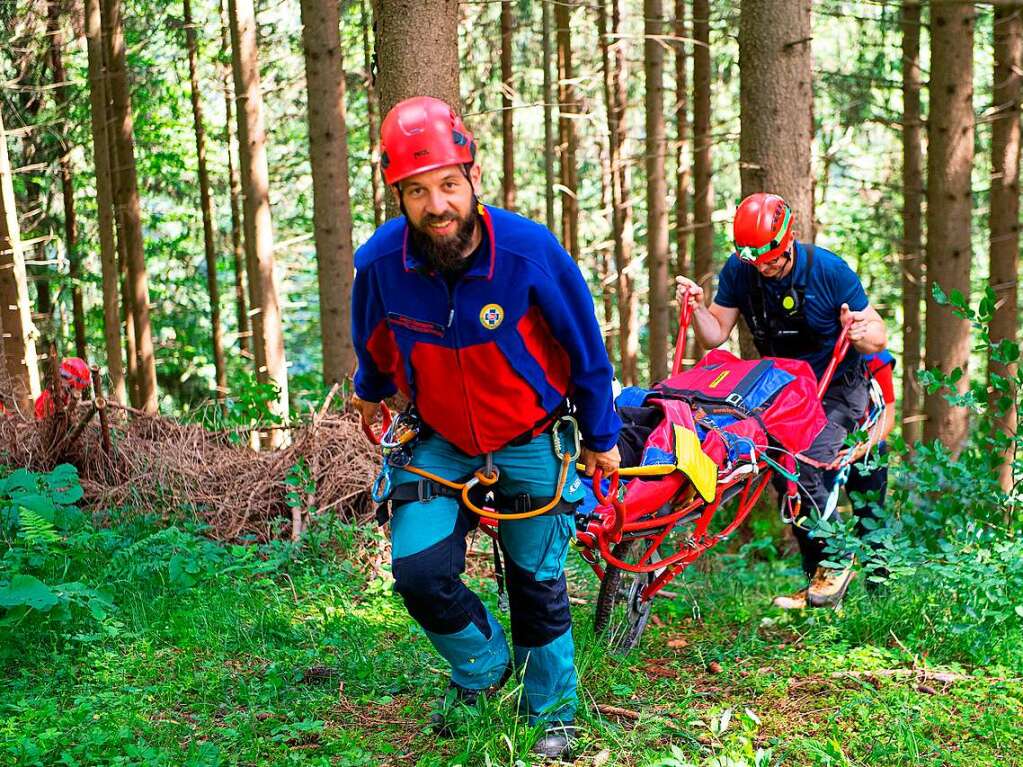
(421, 134)
(762, 229)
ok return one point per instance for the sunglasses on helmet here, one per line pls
(750, 253)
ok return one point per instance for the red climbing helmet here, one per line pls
(74, 372)
(762, 229)
(421, 134)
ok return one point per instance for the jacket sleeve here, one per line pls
(375, 349)
(567, 307)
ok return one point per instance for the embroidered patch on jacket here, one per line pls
(491, 316)
(418, 326)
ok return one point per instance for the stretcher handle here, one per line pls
(685, 315)
(841, 349)
(385, 424)
(613, 524)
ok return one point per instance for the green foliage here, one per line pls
(44, 538)
(948, 540)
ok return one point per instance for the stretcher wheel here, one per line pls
(621, 614)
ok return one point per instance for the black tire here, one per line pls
(621, 617)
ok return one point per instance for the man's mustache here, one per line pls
(431, 218)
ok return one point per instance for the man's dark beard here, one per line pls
(448, 254)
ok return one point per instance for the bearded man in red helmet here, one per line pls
(485, 323)
(795, 298)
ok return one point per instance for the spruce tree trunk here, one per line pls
(912, 222)
(775, 89)
(656, 189)
(128, 205)
(949, 210)
(703, 185)
(507, 116)
(66, 180)
(1004, 218)
(206, 204)
(548, 117)
(21, 372)
(332, 213)
(234, 193)
(613, 61)
(104, 203)
(267, 332)
(605, 254)
(372, 118)
(567, 140)
(417, 55)
(682, 166)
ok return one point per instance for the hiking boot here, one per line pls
(458, 695)
(828, 586)
(557, 740)
(796, 601)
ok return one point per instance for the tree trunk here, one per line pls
(507, 116)
(268, 336)
(128, 205)
(417, 54)
(604, 254)
(372, 118)
(234, 193)
(104, 202)
(21, 371)
(656, 189)
(703, 185)
(1005, 148)
(548, 118)
(949, 209)
(206, 203)
(912, 221)
(775, 90)
(66, 181)
(613, 62)
(682, 167)
(567, 140)
(332, 213)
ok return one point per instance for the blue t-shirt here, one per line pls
(829, 284)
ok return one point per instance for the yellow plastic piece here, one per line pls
(654, 470)
(694, 463)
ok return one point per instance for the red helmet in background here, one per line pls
(421, 134)
(74, 372)
(762, 229)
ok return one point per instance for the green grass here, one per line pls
(212, 669)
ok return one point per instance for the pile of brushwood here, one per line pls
(131, 459)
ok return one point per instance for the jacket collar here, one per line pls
(482, 267)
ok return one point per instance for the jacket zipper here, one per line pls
(458, 360)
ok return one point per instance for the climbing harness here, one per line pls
(401, 436)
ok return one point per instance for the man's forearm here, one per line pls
(707, 329)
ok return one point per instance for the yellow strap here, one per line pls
(654, 470)
(694, 463)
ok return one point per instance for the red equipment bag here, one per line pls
(779, 395)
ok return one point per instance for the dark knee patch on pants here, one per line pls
(429, 584)
(539, 609)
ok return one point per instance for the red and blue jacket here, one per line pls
(493, 358)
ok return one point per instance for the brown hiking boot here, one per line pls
(795, 601)
(827, 587)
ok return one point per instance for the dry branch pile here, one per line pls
(159, 463)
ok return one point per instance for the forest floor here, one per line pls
(215, 655)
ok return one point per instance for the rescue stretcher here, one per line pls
(705, 464)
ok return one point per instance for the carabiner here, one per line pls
(559, 450)
(381, 489)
